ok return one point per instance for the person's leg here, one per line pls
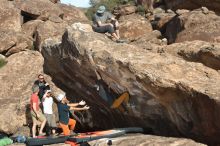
(65, 128)
(115, 36)
(34, 126)
(72, 124)
(43, 122)
(150, 6)
(47, 126)
(42, 127)
(53, 131)
(101, 29)
(108, 28)
(116, 28)
(123, 98)
(53, 123)
(34, 129)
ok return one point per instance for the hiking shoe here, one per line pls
(72, 133)
(41, 134)
(121, 41)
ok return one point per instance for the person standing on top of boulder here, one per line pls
(103, 22)
(42, 84)
(48, 101)
(36, 112)
(64, 108)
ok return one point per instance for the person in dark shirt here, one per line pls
(64, 108)
(42, 84)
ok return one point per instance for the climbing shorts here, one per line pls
(36, 119)
(51, 120)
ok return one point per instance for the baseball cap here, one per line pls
(101, 9)
(48, 91)
(61, 96)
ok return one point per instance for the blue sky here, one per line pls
(77, 3)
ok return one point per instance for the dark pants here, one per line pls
(104, 29)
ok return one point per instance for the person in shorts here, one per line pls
(36, 113)
(48, 101)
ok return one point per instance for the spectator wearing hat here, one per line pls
(104, 21)
(48, 101)
(36, 112)
(64, 108)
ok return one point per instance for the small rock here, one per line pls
(158, 10)
(2, 57)
(133, 27)
(170, 11)
(182, 11)
(82, 27)
(55, 19)
(157, 17)
(205, 10)
(157, 33)
(164, 40)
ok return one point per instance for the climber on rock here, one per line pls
(109, 90)
(104, 21)
(64, 108)
(42, 84)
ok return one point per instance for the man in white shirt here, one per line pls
(48, 110)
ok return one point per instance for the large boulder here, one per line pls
(10, 18)
(30, 27)
(145, 140)
(160, 21)
(12, 38)
(134, 26)
(17, 78)
(13, 42)
(193, 4)
(72, 14)
(168, 95)
(124, 10)
(195, 25)
(48, 30)
(151, 41)
(196, 51)
(38, 9)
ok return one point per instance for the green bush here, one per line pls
(141, 10)
(109, 4)
(2, 63)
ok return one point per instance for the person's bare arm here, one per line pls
(113, 19)
(79, 109)
(44, 96)
(76, 104)
(73, 104)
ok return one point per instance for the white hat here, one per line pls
(48, 91)
(61, 96)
